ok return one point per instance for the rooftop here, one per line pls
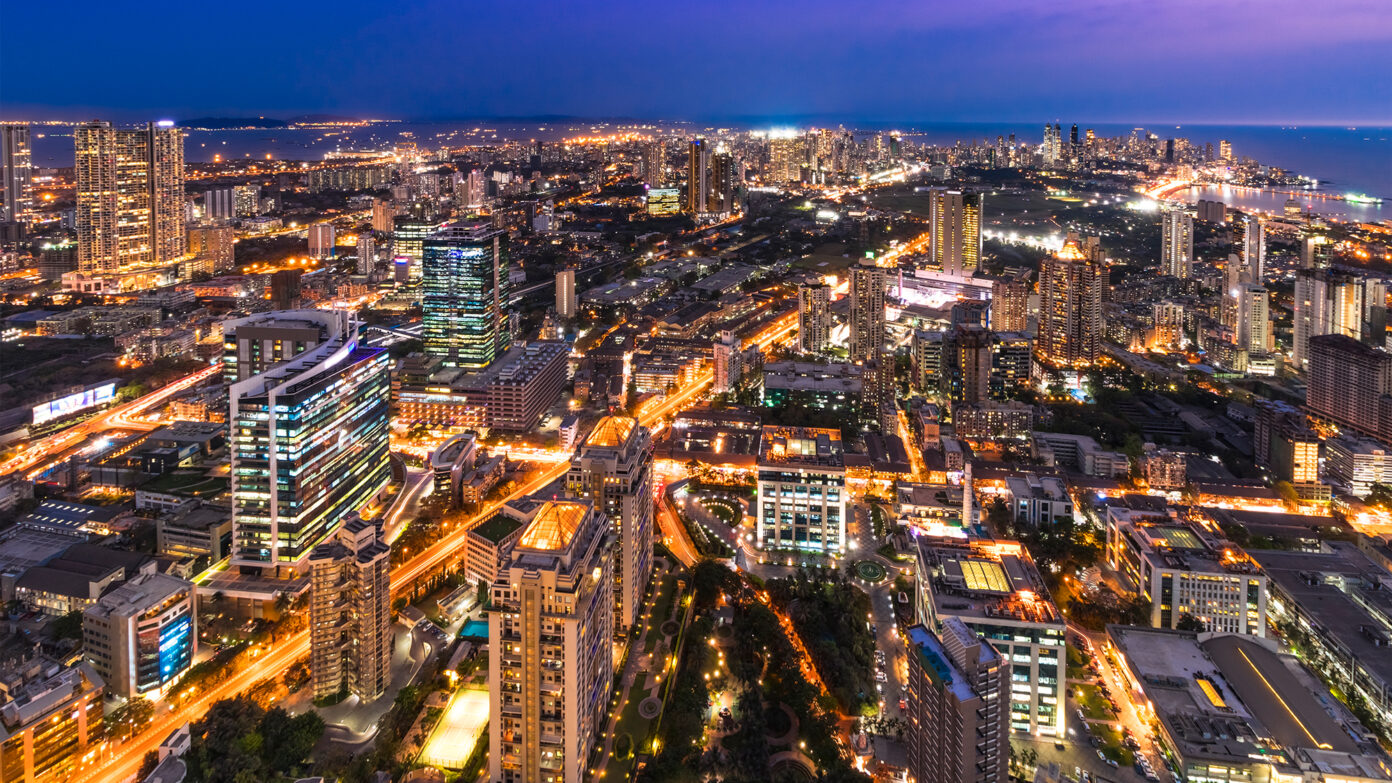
(808, 446)
(554, 526)
(935, 659)
(497, 528)
(138, 594)
(611, 432)
(986, 579)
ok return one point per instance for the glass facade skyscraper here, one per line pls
(465, 295)
(309, 447)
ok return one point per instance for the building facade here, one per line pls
(130, 196)
(350, 612)
(959, 696)
(142, 636)
(802, 489)
(465, 294)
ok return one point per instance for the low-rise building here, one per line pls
(1036, 500)
(201, 531)
(50, 721)
(828, 386)
(993, 420)
(488, 545)
(1182, 570)
(1355, 464)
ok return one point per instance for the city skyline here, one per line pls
(887, 63)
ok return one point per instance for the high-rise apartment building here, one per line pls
(1176, 242)
(814, 317)
(654, 163)
(550, 665)
(219, 204)
(1253, 304)
(612, 468)
(787, 154)
(1249, 238)
(1224, 150)
(142, 636)
(868, 284)
(802, 489)
(1070, 309)
(366, 253)
(1167, 323)
(383, 216)
(309, 447)
(698, 172)
(721, 198)
(959, 698)
(16, 171)
(566, 302)
(955, 228)
(728, 361)
(1349, 383)
(465, 295)
(130, 196)
(246, 200)
(321, 240)
(216, 245)
(1010, 305)
(350, 612)
(1331, 303)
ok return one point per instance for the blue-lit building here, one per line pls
(464, 295)
(142, 636)
(309, 448)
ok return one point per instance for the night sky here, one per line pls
(1219, 61)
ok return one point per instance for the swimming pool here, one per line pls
(474, 629)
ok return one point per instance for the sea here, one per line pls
(1342, 159)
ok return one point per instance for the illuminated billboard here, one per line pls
(73, 403)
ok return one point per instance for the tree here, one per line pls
(69, 626)
(1191, 623)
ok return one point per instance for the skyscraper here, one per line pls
(367, 253)
(787, 154)
(697, 177)
(257, 343)
(955, 228)
(550, 668)
(408, 242)
(1331, 303)
(814, 317)
(130, 196)
(1176, 242)
(867, 310)
(308, 447)
(612, 468)
(1349, 383)
(321, 240)
(465, 295)
(1070, 309)
(966, 364)
(721, 198)
(350, 612)
(16, 170)
(959, 702)
(1010, 305)
(1249, 238)
(1225, 150)
(565, 294)
(1253, 318)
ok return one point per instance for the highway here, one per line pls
(119, 417)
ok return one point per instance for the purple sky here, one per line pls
(1219, 61)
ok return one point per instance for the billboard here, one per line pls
(73, 403)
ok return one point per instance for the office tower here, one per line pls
(350, 612)
(217, 244)
(802, 489)
(867, 310)
(50, 721)
(1330, 303)
(1249, 238)
(697, 177)
(1253, 319)
(130, 196)
(966, 364)
(995, 589)
(549, 668)
(219, 204)
(257, 343)
(814, 317)
(958, 695)
(1349, 383)
(1225, 150)
(142, 636)
(16, 171)
(566, 305)
(367, 253)
(1070, 309)
(721, 198)
(408, 242)
(316, 428)
(1176, 242)
(612, 469)
(1073, 135)
(321, 240)
(1010, 305)
(955, 229)
(465, 295)
(654, 162)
